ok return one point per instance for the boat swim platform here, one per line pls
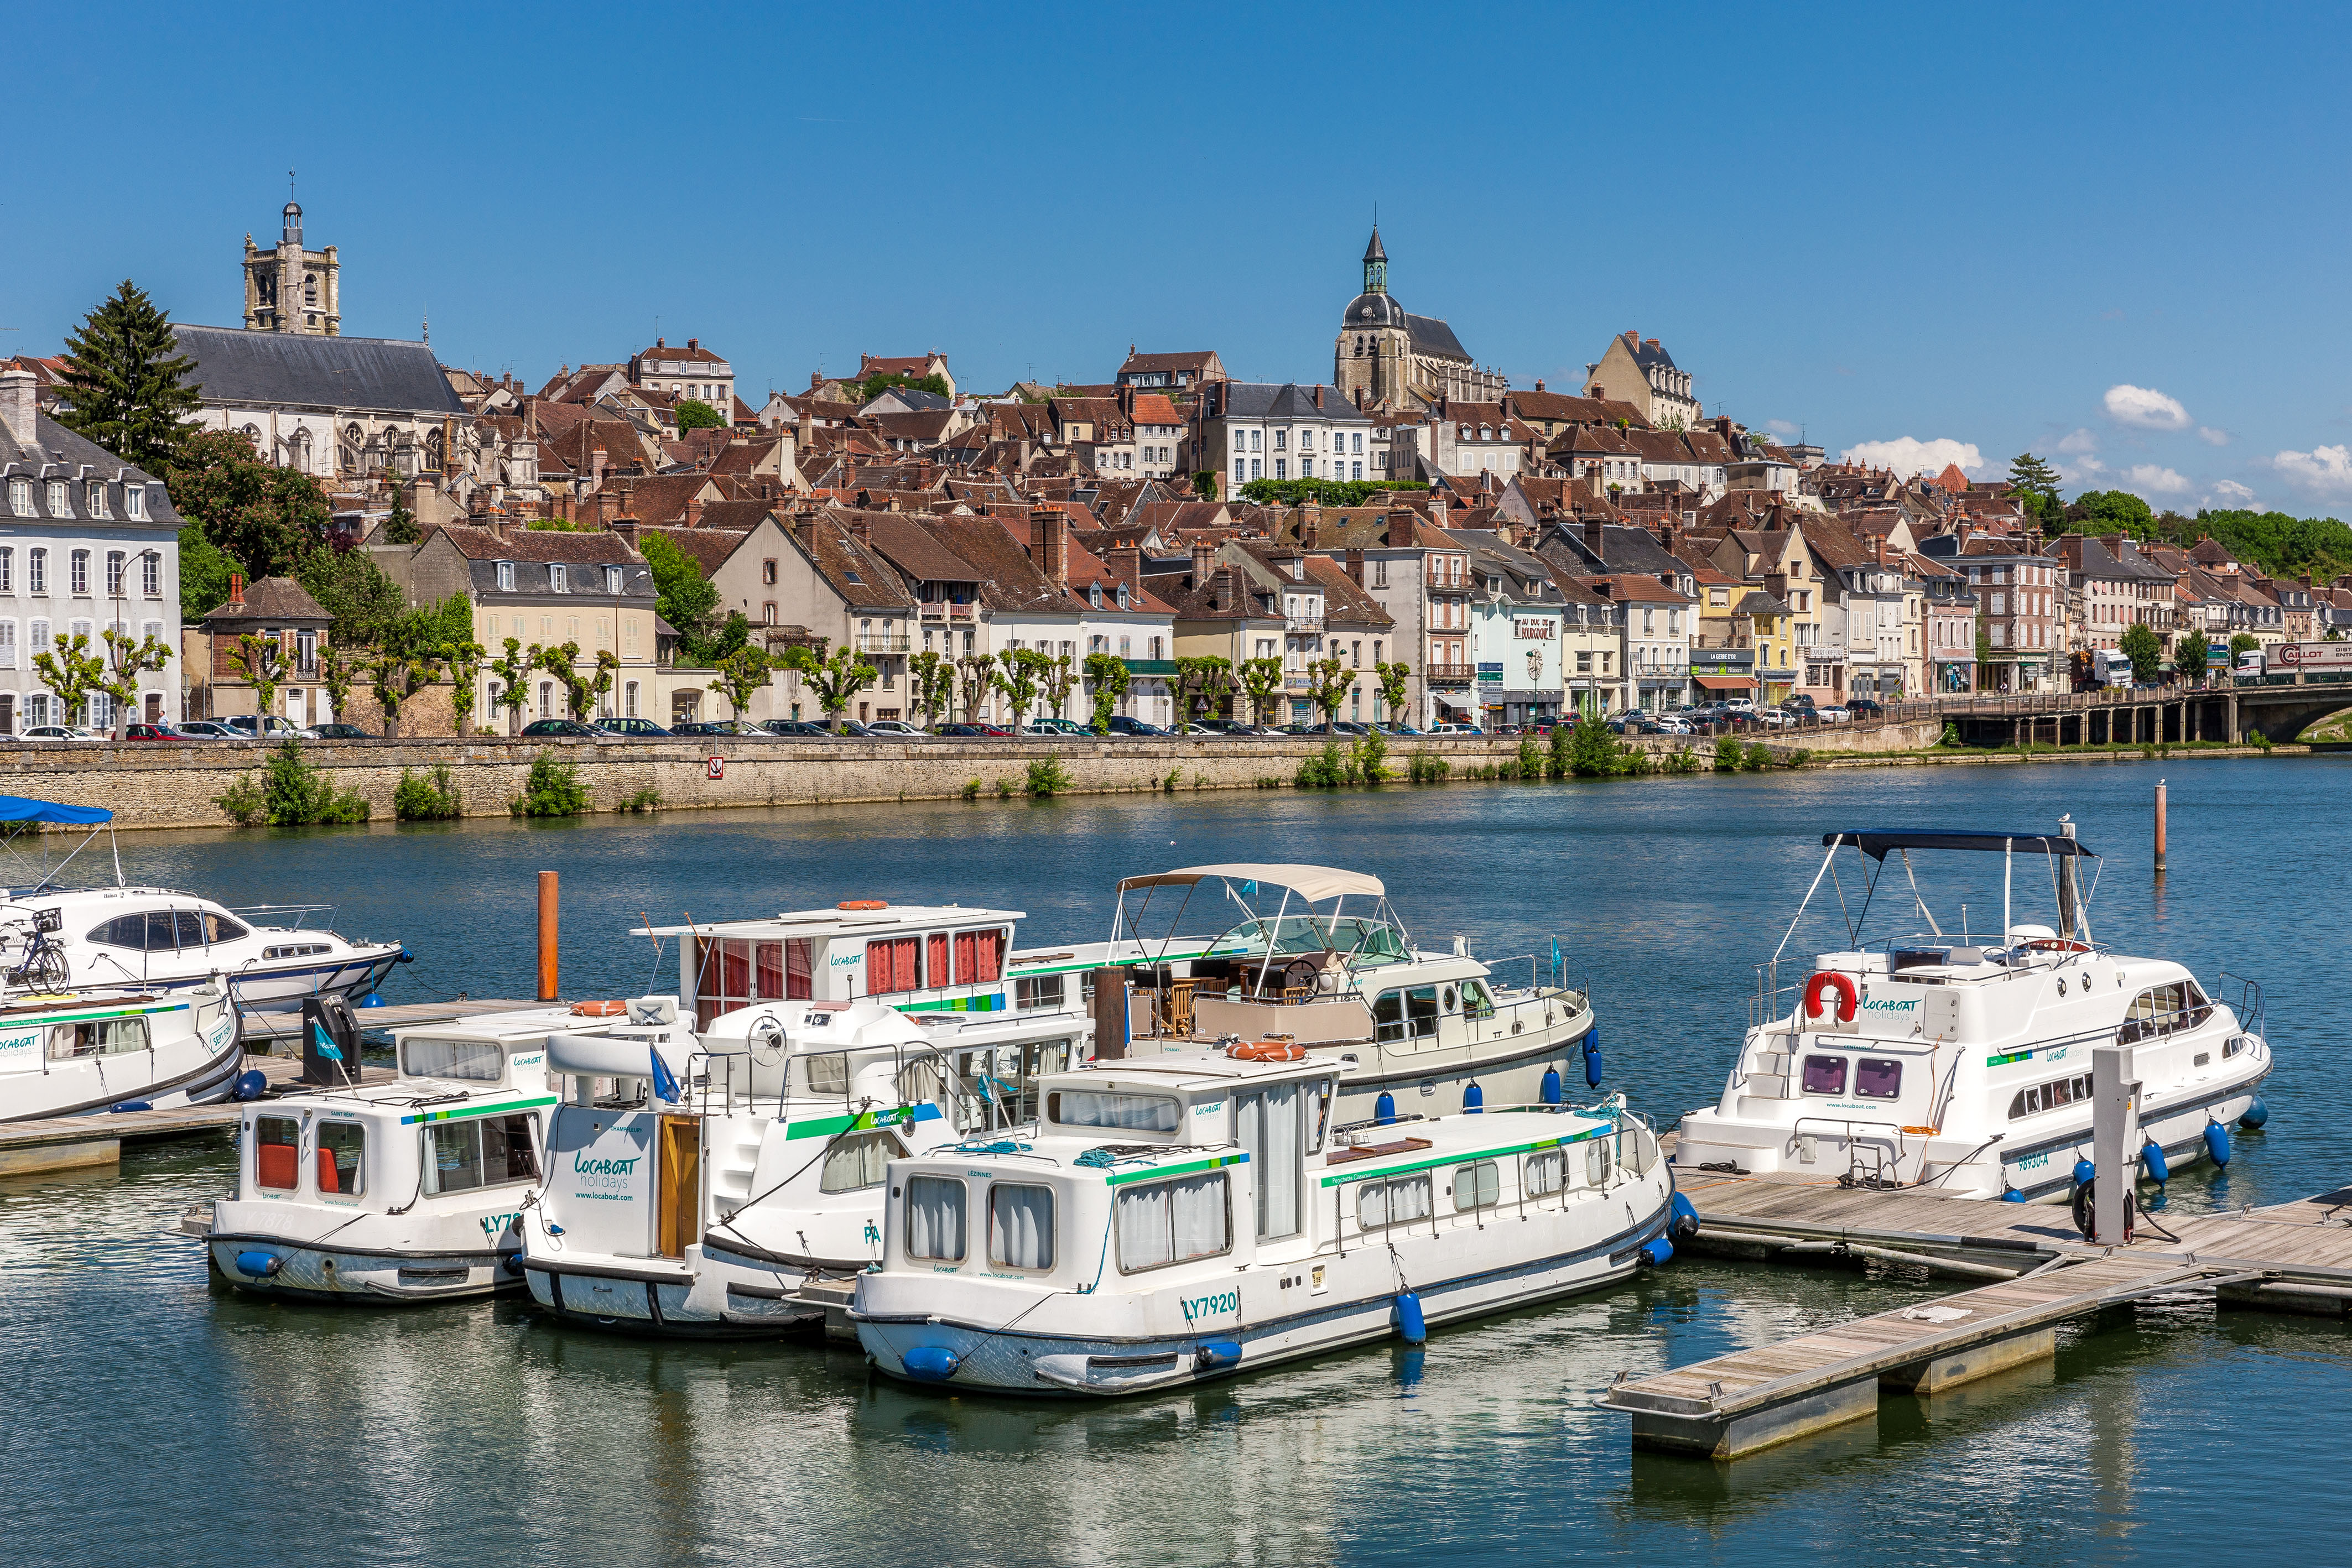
(68, 1143)
(2293, 1258)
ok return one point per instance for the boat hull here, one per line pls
(307, 1271)
(197, 1067)
(711, 1295)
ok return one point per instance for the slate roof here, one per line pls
(1434, 337)
(293, 367)
(534, 551)
(913, 399)
(1287, 401)
(62, 454)
(277, 600)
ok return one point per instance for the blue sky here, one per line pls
(2115, 236)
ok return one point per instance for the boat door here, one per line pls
(678, 1194)
(1271, 1123)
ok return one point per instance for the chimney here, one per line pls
(1398, 532)
(1310, 526)
(860, 528)
(596, 461)
(1539, 383)
(1125, 564)
(626, 528)
(1204, 557)
(17, 405)
(693, 344)
(1318, 394)
(1356, 567)
(694, 513)
(1593, 537)
(1049, 544)
(608, 507)
(816, 379)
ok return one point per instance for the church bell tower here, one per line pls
(291, 289)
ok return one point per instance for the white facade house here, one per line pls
(1264, 430)
(86, 543)
(692, 371)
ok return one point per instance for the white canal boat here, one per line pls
(104, 1049)
(402, 1191)
(1961, 1063)
(1180, 1216)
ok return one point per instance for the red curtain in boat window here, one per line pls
(797, 967)
(979, 957)
(938, 971)
(768, 967)
(893, 964)
(735, 969)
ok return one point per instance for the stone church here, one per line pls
(291, 290)
(1386, 356)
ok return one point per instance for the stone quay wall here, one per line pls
(174, 786)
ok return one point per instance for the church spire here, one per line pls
(1376, 264)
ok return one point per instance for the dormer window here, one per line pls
(1122, 596)
(20, 497)
(558, 580)
(95, 493)
(613, 580)
(59, 507)
(134, 501)
(505, 577)
(1094, 595)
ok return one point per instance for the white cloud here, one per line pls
(2231, 493)
(2324, 471)
(1782, 427)
(1906, 455)
(2145, 407)
(2212, 437)
(2149, 479)
(2079, 444)
(2078, 458)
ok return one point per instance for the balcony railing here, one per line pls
(1305, 622)
(945, 612)
(1150, 667)
(881, 643)
(1449, 674)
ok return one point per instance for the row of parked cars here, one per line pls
(243, 728)
(898, 729)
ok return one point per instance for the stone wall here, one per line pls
(168, 786)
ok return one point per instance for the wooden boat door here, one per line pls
(678, 1193)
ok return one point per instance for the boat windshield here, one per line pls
(1364, 940)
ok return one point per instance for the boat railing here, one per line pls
(2252, 1006)
(269, 913)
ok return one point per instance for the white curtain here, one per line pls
(1270, 1131)
(1476, 1185)
(1140, 1113)
(1198, 1206)
(1408, 1199)
(858, 1161)
(1170, 1221)
(1145, 1240)
(1020, 1225)
(1545, 1173)
(469, 1059)
(935, 1217)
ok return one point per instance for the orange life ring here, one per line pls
(863, 904)
(1267, 1050)
(2058, 945)
(599, 1009)
(1849, 995)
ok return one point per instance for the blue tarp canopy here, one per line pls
(17, 809)
(1878, 845)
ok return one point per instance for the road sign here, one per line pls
(715, 767)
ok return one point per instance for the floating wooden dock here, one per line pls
(65, 1142)
(2295, 1256)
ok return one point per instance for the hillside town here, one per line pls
(1411, 540)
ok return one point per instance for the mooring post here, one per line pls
(2159, 825)
(547, 926)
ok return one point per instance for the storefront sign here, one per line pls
(1535, 631)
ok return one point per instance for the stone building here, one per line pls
(275, 609)
(291, 289)
(1640, 371)
(1386, 355)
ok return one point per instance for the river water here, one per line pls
(150, 1415)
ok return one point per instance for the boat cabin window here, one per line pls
(1475, 1001)
(1020, 1225)
(276, 1153)
(1362, 939)
(1319, 1114)
(2162, 1010)
(855, 1161)
(1825, 1075)
(1477, 1186)
(1406, 1015)
(732, 972)
(893, 964)
(97, 1036)
(1398, 1201)
(1596, 1162)
(483, 1150)
(1165, 1222)
(827, 1073)
(218, 928)
(1133, 1112)
(1042, 991)
(979, 958)
(2043, 1097)
(154, 932)
(1269, 1123)
(935, 1219)
(343, 1158)
(1545, 1173)
(1876, 1078)
(468, 1061)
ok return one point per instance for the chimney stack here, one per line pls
(1125, 564)
(1310, 526)
(236, 579)
(1397, 532)
(1049, 544)
(1356, 567)
(1204, 557)
(19, 405)
(1593, 537)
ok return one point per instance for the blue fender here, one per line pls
(1593, 1073)
(1658, 1250)
(2256, 1113)
(1216, 1355)
(1684, 1224)
(930, 1362)
(1473, 1099)
(1551, 1087)
(1384, 1110)
(2216, 1142)
(130, 1105)
(2153, 1162)
(2011, 1194)
(1411, 1327)
(249, 1085)
(259, 1265)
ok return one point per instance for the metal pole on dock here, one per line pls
(2159, 826)
(547, 925)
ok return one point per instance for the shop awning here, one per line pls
(1726, 682)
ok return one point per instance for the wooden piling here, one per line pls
(548, 901)
(2159, 826)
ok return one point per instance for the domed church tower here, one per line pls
(1374, 345)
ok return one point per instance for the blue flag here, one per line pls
(326, 1047)
(664, 1085)
(1249, 890)
(1555, 955)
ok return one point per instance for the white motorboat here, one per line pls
(1962, 1064)
(1427, 1031)
(697, 1182)
(1180, 1216)
(106, 1049)
(402, 1191)
(157, 940)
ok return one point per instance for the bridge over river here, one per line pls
(2280, 705)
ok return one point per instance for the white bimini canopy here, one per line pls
(1313, 883)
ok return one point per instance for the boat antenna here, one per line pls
(654, 979)
(1927, 913)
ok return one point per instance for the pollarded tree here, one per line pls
(1392, 687)
(1262, 679)
(1108, 675)
(1020, 678)
(743, 672)
(1200, 683)
(262, 660)
(126, 658)
(975, 678)
(835, 681)
(930, 686)
(72, 672)
(1060, 681)
(339, 671)
(398, 675)
(514, 672)
(1328, 681)
(122, 380)
(465, 662)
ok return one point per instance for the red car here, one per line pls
(158, 732)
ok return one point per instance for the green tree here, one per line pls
(126, 658)
(339, 671)
(2243, 643)
(875, 385)
(552, 790)
(122, 383)
(2034, 484)
(463, 659)
(683, 597)
(1392, 687)
(743, 673)
(368, 606)
(72, 672)
(975, 678)
(1204, 485)
(1019, 680)
(398, 675)
(1060, 681)
(2108, 512)
(834, 681)
(693, 413)
(930, 686)
(514, 672)
(1262, 679)
(1108, 675)
(399, 528)
(262, 661)
(268, 516)
(1328, 681)
(2145, 649)
(1200, 683)
(1328, 492)
(2188, 655)
(204, 571)
(1593, 751)
(580, 689)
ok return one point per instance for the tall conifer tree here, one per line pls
(122, 380)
